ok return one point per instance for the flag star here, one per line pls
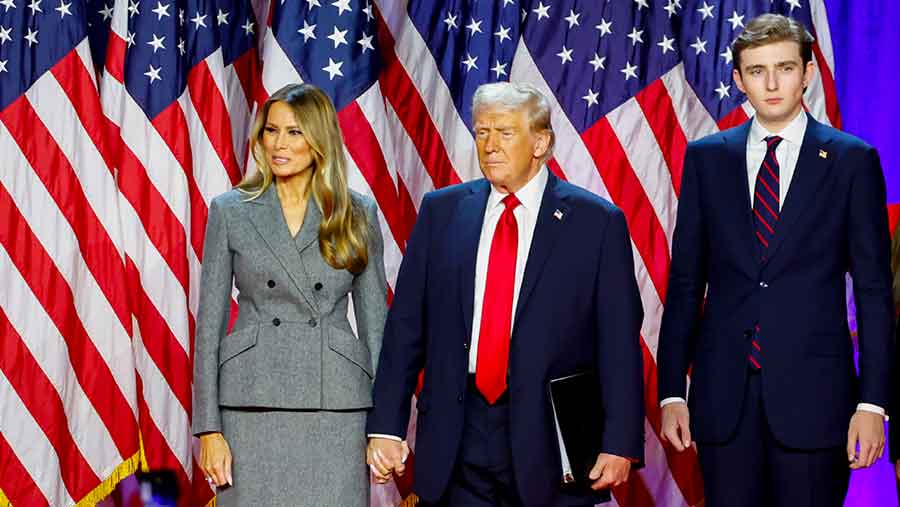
(157, 42)
(499, 69)
(222, 17)
(31, 37)
(736, 20)
(338, 37)
(572, 18)
(469, 62)
(106, 12)
(630, 71)
(635, 36)
(308, 31)
(366, 43)
(507, 2)
(503, 33)
(706, 10)
(565, 55)
(3, 66)
(4, 35)
(35, 6)
(666, 44)
(795, 4)
(129, 39)
(450, 21)
(248, 27)
(9, 4)
(699, 46)
(722, 90)
(727, 55)
(672, 8)
(474, 27)
(605, 27)
(591, 98)
(133, 8)
(181, 17)
(153, 74)
(367, 10)
(181, 46)
(524, 14)
(161, 10)
(63, 9)
(312, 3)
(641, 4)
(542, 11)
(333, 69)
(198, 21)
(599, 62)
(342, 5)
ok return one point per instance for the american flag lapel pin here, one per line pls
(558, 214)
(823, 154)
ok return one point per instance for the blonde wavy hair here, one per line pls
(344, 231)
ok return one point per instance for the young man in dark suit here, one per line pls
(772, 215)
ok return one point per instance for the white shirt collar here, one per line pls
(530, 195)
(793, 133)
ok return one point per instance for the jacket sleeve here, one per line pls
(370, 289)
(212, 319)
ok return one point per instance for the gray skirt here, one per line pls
(296, 458)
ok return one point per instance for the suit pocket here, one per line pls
(237, 342)
(351, 348)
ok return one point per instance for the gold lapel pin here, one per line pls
(823, 154)
(558, 214)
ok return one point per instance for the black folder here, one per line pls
(578, 417)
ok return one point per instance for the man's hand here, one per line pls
(867, 430)
(385, 456)
(676, 427)
(215, 459)
(609, 471)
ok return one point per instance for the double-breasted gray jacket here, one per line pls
(292, 346)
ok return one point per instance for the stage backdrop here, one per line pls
(121, 119)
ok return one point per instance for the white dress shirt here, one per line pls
(526, 215)
(787, 153)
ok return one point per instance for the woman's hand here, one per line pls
(215, 459)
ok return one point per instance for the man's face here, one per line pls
(773, 78)
(508, 152)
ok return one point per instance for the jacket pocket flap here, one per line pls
(237, 342)
(351, 348)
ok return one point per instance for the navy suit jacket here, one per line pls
(833, 220)
(578, 309)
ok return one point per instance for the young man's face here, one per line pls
(773, 78)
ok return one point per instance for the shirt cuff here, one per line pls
(669, 401)
(868, 407)
(389, 437)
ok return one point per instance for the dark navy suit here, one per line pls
(578, 309)
(833, 220)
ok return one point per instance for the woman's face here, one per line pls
(285, 147)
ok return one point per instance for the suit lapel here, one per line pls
(810, 170)
(267, 217)
(551, 219)
(470, 216)
(309, 230)
(739, 191)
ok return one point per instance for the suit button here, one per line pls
(764, 285)
(748, 333)
(318, 286)
(459, 398)
(271, 283)
(311, 322)
(465, 346)
(276, 322)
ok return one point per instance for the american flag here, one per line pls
(104, 189)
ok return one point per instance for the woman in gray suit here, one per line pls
(281, 401)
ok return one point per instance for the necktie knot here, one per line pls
(772, 143)
(511, 202)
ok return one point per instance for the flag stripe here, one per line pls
(656, 105)
(210, 106)
(15, 481)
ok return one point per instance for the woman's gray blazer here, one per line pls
(292, 346)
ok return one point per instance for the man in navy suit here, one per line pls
(772, 215)
(508, 282)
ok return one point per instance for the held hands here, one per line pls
(609, 471)
(215, 459)
(867, 430)
(385, 456)
(676, 427)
